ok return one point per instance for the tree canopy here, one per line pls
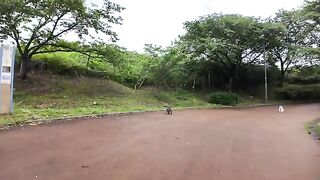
(35, 24)
(234, 41)
(311, 13)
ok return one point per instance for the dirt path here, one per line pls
(229, 144)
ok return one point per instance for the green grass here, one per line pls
(47, 97)
(313, 127)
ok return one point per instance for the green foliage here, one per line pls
(311, 10)
(47, 20)
(291, 46)
(307, 75)
(136, 70)
(37, 25)
(311, 14)
(223, 98)
(232, 41)
(304, 80)
(59, 63)
(313, 127)
(299, 92)
(167, 67)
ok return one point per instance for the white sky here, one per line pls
(161, 21)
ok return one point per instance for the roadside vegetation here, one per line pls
(313, 128)
(220, 59)
(46, 97)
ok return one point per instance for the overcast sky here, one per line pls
(161, 21)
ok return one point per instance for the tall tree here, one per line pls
(293, 41)
(234, 41)
(311, 13)
(36, 24)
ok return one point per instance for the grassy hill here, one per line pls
(50, 96)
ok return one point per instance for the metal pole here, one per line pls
(265, 76)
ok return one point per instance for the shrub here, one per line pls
(223, 98)
(299, 92)
(304, 80)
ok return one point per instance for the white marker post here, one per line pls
(7, 58)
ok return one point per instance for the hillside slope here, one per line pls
(49, 96)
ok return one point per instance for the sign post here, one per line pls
(7, 58)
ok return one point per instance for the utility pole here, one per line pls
(265, 75)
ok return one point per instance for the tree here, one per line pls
(166, 67)
(311, 10)
(311, 14)
(159, 65)
(292, 42)
(37, 24)
(233, 41)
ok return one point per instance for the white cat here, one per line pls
(281, 109)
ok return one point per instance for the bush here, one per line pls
(223, 98)
(304, 80)
(299, 92)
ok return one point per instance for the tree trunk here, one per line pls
(209, 80)
(142, 81)
(24, 67)
(230, 85)
(165, 83)
(282, 75)
(194, 83)
(88, 62)
(236, 79)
